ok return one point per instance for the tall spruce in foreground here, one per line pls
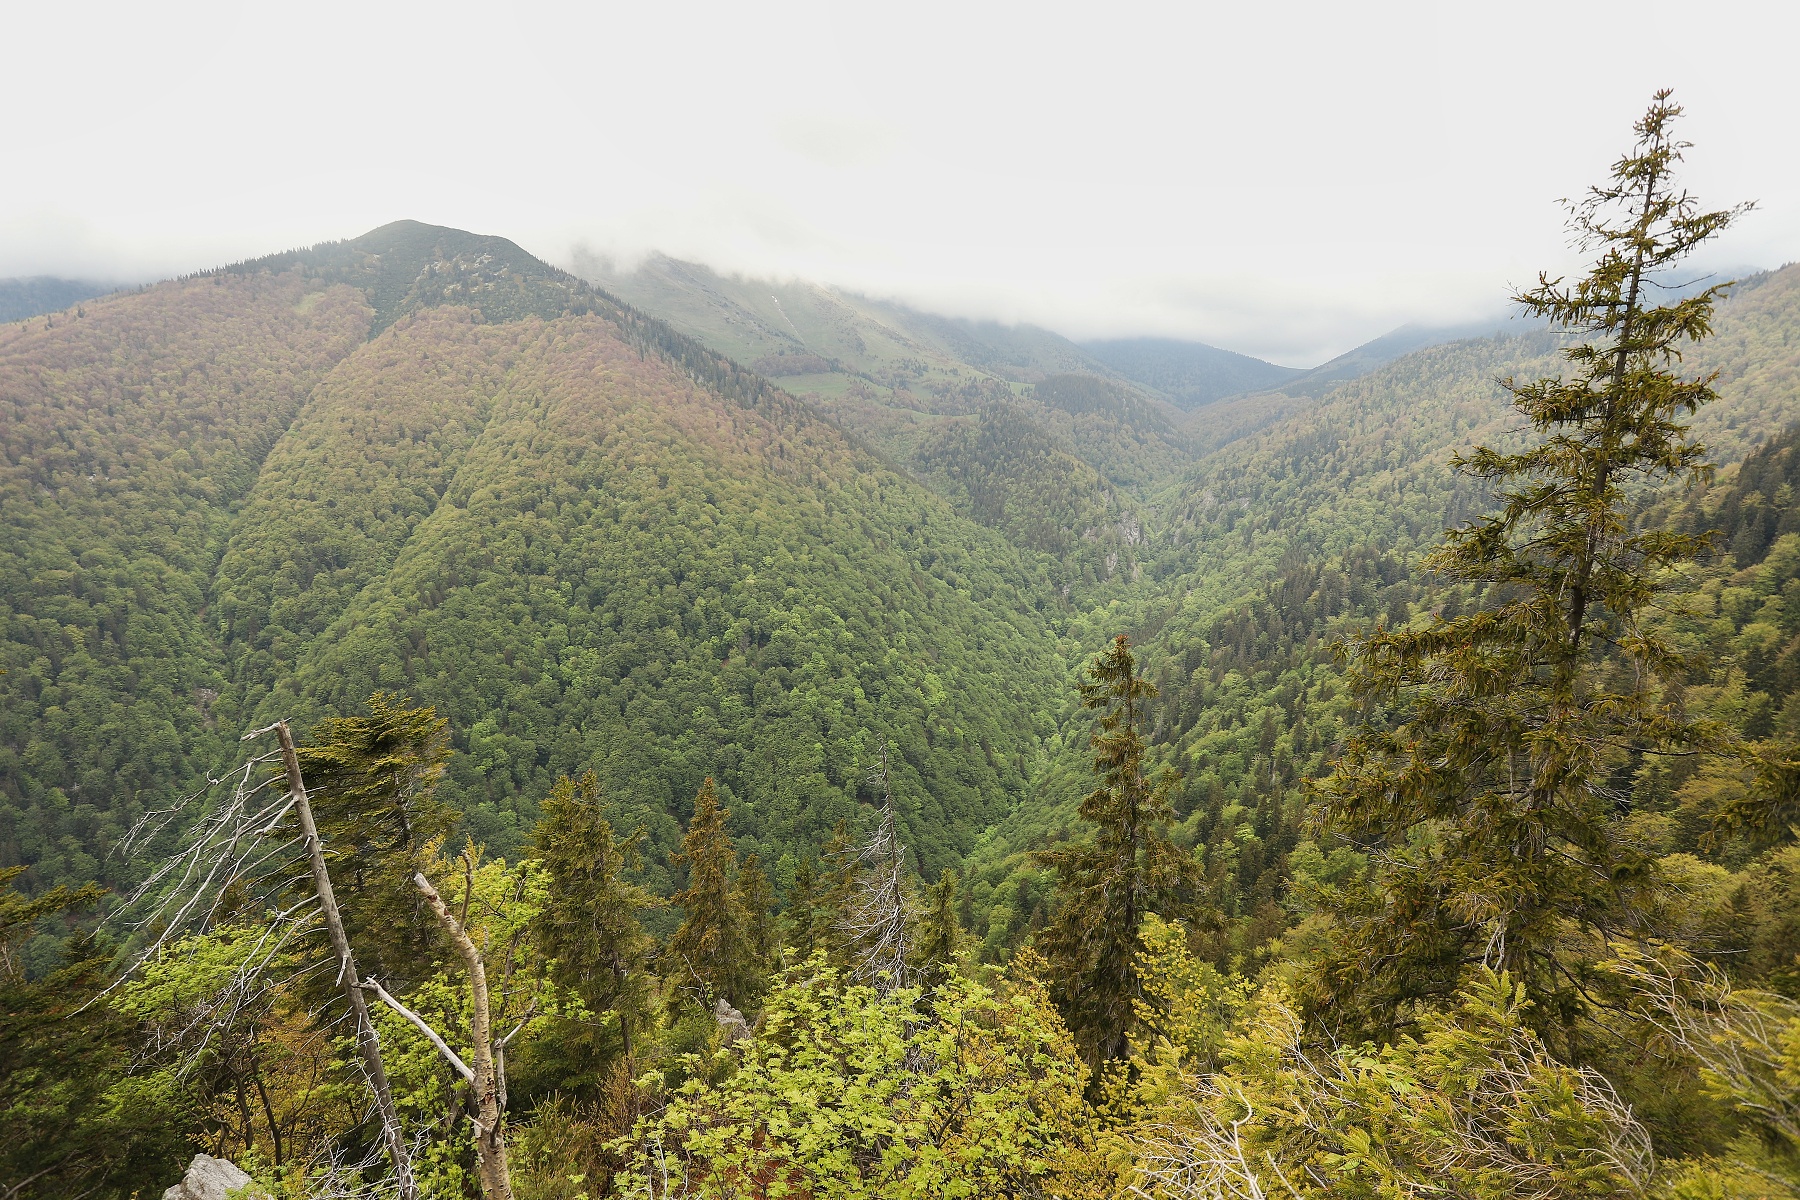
(589, 930)
(1482, 780)
(1131, 869)
(710, 956)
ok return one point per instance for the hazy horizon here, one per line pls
(1287, 182)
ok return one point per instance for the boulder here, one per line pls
(210, 1178)
(733, 1028)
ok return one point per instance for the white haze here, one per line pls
(1282, 179)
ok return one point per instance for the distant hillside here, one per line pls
(28, 297)
(1396, 344)
(1307, 522)
(1191, 374)
(421, 460)
(1003, 420)
(819, 340)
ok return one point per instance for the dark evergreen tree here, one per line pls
(80, 1120)
(1483, 779)
(373, 781)
(940, 938)
(1131, 869)
(709, 957)
(803, 923)
(837, 899)
(756, 901)
(589, 930)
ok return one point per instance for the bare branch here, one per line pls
(462, 1068)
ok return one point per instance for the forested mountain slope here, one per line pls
(1021, 429)
(1191, 374)
(1288, 536)
(32, 295)
(424, 461)
(129, 435)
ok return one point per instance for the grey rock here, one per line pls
(731, 1022)
(210, 1178)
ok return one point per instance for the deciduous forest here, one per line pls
(462, 734)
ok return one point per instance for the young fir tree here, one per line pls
(372, 783)
(802, 920)
(1131, 869)
(1482, 782)
(756, 901)
(940, 939)
(837, 897)
(589, 928)
(709, 956)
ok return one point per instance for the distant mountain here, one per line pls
(1191, 374)
(1023, 429)
(1395, 344)
(424, 461)
(37, 294)
(818, 339)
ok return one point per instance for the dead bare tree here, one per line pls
(876, 924)
(484, 1071)
(486, 1078)
(259, 848)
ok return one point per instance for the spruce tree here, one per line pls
(589, 928)
(372, 781)
(802, 919)
(837, 896)
(1131, 869)
(940, 938)
(1481, 781)
(756, 901)
(709, 957)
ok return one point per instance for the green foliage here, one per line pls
(1010, 472)
(1106, 888)
(254, 1071)
(939, 948)
(373, 782)
(130, 434)
(1472, 1107)
(80, 1119)
(804, 922)
(845, 1092)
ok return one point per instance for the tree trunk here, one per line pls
(367, 1040)
(489, 1086)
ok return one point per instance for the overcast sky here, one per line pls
(1282, 179)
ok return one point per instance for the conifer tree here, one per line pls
(940, 938)
(709, 955)
(1131, 869)
(1481, 780)
(589, 928)
(802, 920)
(756, 900)
(837, 896)
(372, 780)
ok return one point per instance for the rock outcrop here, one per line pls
(210, 1178)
